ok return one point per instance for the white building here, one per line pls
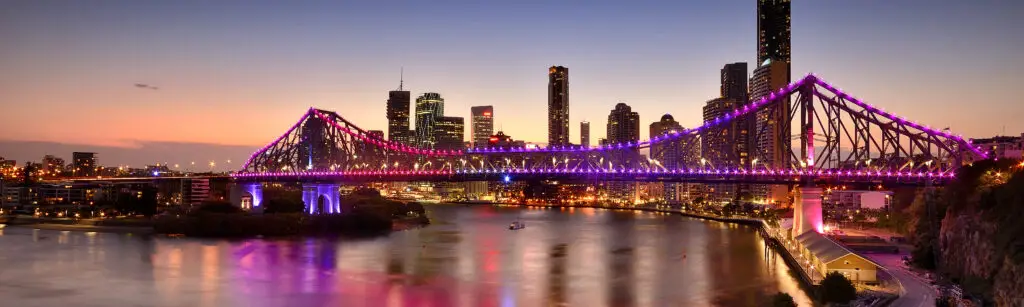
(858, 199)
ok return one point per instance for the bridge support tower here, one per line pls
(807, 215)
(248, 196)
(321, 198)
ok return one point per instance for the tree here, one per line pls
(783, 300)
(142, 201)
(283, 205)
(835, 288)
(927, 210)
(366, 192)
(217, 207)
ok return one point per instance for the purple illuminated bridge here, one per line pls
(808, 131)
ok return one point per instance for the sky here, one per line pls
(229, 75)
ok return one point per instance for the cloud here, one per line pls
(146, 86)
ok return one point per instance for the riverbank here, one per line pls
(88, 228)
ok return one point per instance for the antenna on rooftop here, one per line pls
(401, 78)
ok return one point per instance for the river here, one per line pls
(467, 257)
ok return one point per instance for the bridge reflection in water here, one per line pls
(468, 257)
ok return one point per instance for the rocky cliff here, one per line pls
(981, 239)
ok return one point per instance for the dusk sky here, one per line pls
(242, 72)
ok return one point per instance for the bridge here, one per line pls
(808, 132)
(857, 143)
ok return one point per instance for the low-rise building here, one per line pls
(822, 256)
(1002, 147)
(857, 199)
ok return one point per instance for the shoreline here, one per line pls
(88, 228)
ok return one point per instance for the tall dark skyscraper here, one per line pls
(398, 115)
(773, 39)
(448, 133)
(558, 106)
(734, 81)
(429, 107)
(734, 88)
(623, 124)
(585, 134)
(483, 125)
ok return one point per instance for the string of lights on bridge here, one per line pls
(549, 171)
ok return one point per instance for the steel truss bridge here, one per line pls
(807, 131)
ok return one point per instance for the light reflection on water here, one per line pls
(468, 257)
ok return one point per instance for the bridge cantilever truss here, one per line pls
(806, 129)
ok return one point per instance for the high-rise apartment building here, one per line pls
(53, 165)
(558, 106)
(398, 116)
(771, 127)
(668, 152)
(85, 163)
(429, 107)
(772, 122)
(483, 124)
(448, 133)
(623, 126)
(734, 87)
(773, 32)
(718, 148)
(585, 134)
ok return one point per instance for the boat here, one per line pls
(516, 225)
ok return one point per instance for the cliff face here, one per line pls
(981, 241)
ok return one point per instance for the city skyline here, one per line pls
(159, 113)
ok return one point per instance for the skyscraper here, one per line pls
(666, 125)
(585, 134)
(734, 87)
(772, 121)
(448, 133)
(483, 125)
(734, 81)
(771, 129)
(668, 152)
(623, 124)
(85, 163)
(429, 107)
(558, 106)
(398, 115)
(773, 25)
(718, 148)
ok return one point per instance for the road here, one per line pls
(918, 291)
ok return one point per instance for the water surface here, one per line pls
(468, 257)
